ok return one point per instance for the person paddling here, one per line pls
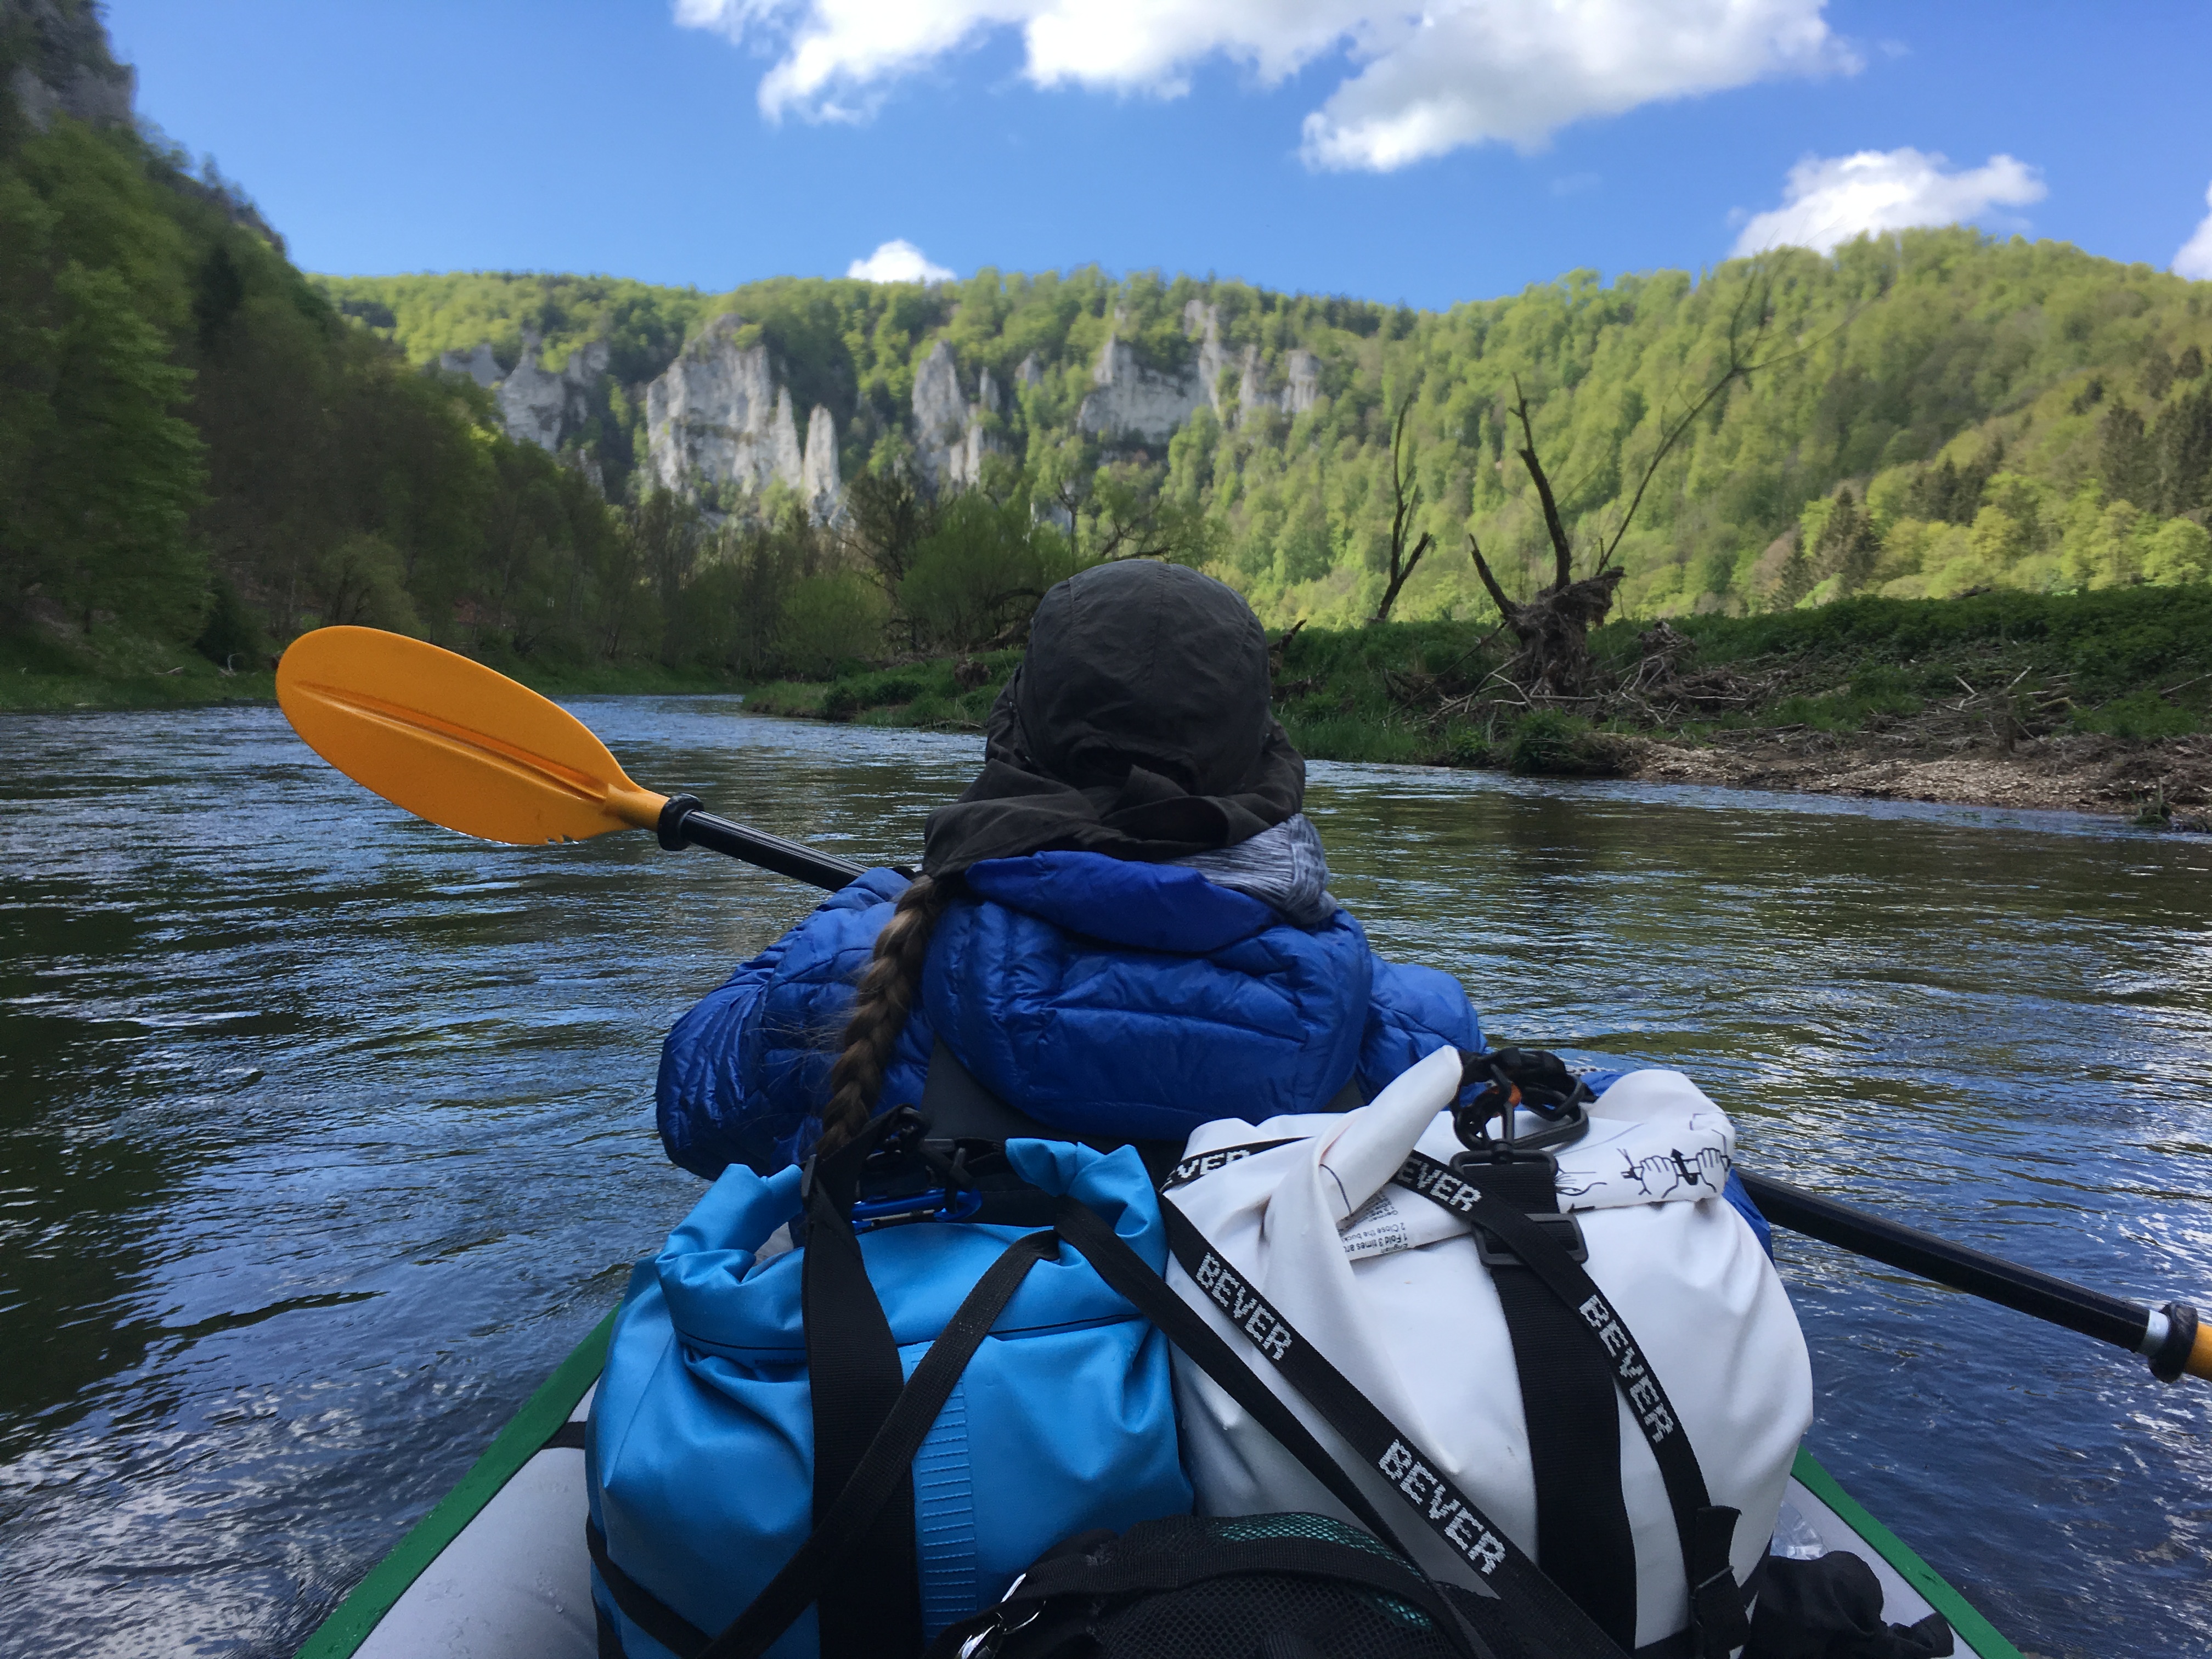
(1121, 929)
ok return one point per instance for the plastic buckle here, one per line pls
(936, 1204)
(1565, 1112)
(985, 1642)
(1496, 1253)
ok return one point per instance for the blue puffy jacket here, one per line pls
(1106, 997)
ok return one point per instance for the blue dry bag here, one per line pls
(749, 1443)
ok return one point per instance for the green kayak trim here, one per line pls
(350, 1622)
(1978, 1633)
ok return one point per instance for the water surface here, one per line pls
(324, 1133)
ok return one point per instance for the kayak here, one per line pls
(499, 1569)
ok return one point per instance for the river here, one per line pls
(327, 1132)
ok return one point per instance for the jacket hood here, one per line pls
(1138, 726)
(1190, 907)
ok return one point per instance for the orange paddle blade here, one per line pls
(454, 742)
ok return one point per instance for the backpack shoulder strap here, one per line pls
(1504, 1573)
(854, 1379)
(1706, 1530)
(881, 1469)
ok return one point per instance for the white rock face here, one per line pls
(1029, 373)
(940, 418)
(479, 365)
(543, 409)
(785, 457)
(949, 438)
(717, 417)
(817, 469)
(1299, 391)
(1131, 401)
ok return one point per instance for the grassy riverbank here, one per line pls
(42, 673)
(2097, 700)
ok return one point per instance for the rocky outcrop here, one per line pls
(951, 434)
(1298, 390)
(65, 66)
(817, 469)
(1133, 401)
(1129, 400)
(940, 418)
(479, 366)
(535, 404)
(717, 417)
(548, 409)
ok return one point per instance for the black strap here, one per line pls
(855, 1378)
(1154, 1572)
(958, 1106)
(570, 1437)
(1584, 1540)
(1503, 1570)
(1706, 1530)
(640, 1605)
(883, 1470)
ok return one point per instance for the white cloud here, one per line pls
(897, 261)
(1830, 200)
(2195, 259)
(1430, 78)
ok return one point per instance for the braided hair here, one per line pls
(886, 994)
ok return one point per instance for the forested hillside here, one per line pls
(202, 447)
(1936, 412)
(195, 446)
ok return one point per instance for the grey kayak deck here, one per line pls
(499, 1570)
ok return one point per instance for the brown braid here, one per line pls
(886, 993)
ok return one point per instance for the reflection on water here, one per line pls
(327, 1132)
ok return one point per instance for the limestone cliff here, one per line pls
(548, 409)
(535, 404)
(1297, 392)
(479, 366)
(717, 417)
(940, 418)
(817, 469)
(1129, 400)
(951, 434)
(65, 66)
(1133, 401)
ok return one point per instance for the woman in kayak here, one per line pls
(1121, 929)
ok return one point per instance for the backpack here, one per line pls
(1241, 1587)
(972, 1393)
(1580, 1337)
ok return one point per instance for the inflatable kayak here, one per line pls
(499, 1570)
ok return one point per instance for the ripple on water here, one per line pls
(327, 1132)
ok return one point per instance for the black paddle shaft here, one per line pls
(685, 823)
(2107, 1318)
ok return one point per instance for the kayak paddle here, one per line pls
(463, 746)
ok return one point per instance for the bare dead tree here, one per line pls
(1553, 626)
(1405, 504)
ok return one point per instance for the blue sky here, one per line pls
(1317, 145)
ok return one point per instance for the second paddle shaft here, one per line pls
(2171, 1337)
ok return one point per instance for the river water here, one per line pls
(327, 1132)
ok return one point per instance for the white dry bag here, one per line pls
(1339, 1228)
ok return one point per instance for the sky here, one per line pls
(1458, 151)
